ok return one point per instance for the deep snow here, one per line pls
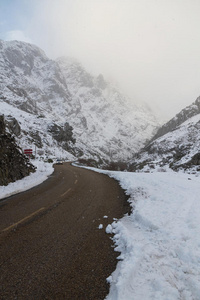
(159, 243)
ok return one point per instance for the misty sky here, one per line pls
(150, 47)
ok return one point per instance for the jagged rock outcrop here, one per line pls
(13, 125)
(28, 77)
(62, 134)
(13, 164)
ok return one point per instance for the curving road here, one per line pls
(50, 244)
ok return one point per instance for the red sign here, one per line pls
(28, 151)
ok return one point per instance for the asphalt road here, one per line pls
(50, 244)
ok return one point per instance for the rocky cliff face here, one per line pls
(13, 164)
(105, 123)
(28, 77)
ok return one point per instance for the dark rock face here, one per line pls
(13, 164)
(13, 125)
(195, 161)
(101, 83)
(36, 139)
(62, 134)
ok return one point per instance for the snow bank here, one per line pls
(41, 174)
(160, 241)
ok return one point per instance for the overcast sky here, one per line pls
(150, 47)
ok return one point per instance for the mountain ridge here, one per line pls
(181, 117)
(176, 145)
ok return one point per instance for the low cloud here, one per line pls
(17, 35)
(150, 47)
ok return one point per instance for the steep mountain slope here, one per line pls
(181, 117)
(105, 119)
(29, 82)
(178, 148)
(29, 78)
(95, 119)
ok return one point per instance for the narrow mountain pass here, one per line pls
(51, 246)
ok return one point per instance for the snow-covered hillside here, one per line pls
(184, 115)
(178, 148)
(112, 122)
(104, 123)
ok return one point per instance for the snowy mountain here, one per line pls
(175, 145)
(62, 109)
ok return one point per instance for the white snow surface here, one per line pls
(159, 243)
(41, 174)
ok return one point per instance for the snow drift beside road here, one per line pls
(41, 174)
(160, 241)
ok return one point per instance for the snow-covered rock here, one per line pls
(178, 148)
(14, 165)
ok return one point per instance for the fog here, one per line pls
(149, 47)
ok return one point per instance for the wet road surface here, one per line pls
(50, 244)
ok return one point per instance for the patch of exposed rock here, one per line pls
(13, 164)
(63, 135)
(13, 125)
